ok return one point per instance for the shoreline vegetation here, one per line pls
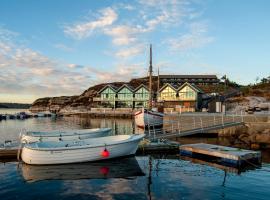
(15, 105)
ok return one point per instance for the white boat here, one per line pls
(148, 118)
(57, 135)
(121, 168)
(92, 149)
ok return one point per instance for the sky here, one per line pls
(58, 48)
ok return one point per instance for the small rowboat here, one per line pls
(92, 149)
(46, 136)
(147, 118)
(121, 168)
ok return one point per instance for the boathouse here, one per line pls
(186, 97)
(190, 97)
(107, 96)
(141, 96)
(124, 97)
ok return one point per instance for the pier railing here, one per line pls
(178, 126)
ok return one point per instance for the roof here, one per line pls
(174, 87)
(127, 86)
(193, 86)
(142, 85)
(189, 76)
(110, 86)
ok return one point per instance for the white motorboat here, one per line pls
(59, 135)
(148, 118)
(120, 168)
(92, 149)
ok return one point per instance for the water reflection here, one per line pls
(120, 168)
(9, 129)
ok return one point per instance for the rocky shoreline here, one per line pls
(255, 134)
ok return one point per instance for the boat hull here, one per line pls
(146, 119)
(64, 135)
(39, 156)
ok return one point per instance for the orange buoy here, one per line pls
(105, 153)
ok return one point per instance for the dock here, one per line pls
(8, 153)
(158, 146)
(225, 155)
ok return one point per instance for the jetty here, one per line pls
(225, 155)
(179, 126)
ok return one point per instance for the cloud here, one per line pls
(25, 71)
(196, 38)
(122, 72)
(75, 66)
(83, 30)
(63, 47)
(131, 51)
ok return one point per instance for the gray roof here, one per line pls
(189, 76)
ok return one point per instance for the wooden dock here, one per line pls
(165, 146)
(6, 153)
(226, 155)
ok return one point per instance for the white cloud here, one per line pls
(83, 30)
(196, 38)
(130, 51)
(124, 34)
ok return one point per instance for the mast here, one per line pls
(150, 79)
(158, 85)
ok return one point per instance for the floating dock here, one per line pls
(6, 153)
(158, 146)
(225, 155)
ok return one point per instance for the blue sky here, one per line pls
(53, 48)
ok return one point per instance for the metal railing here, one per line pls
(192, 124)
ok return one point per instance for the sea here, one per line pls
(140, 177)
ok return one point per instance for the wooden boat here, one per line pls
(120, 168)
(148, 118)
(92, 149)
(57, 135)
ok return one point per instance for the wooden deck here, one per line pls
(8, 153)
(227, 155)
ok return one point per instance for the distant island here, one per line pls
(15, 105)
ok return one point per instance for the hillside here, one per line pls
(85, 100)
(15, 105)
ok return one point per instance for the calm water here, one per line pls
(142, 177)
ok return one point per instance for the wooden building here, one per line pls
(186, 97)
(107, 96)
(193, 79)
(123, 97)
(141, 96)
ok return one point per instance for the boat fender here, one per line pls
(105, 153)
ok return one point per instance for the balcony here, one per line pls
(176, 99)
(103, 99)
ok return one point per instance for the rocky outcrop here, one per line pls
(252, 134)
(81, 103)
(52, 104)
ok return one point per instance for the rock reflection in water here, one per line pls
(120, 168)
